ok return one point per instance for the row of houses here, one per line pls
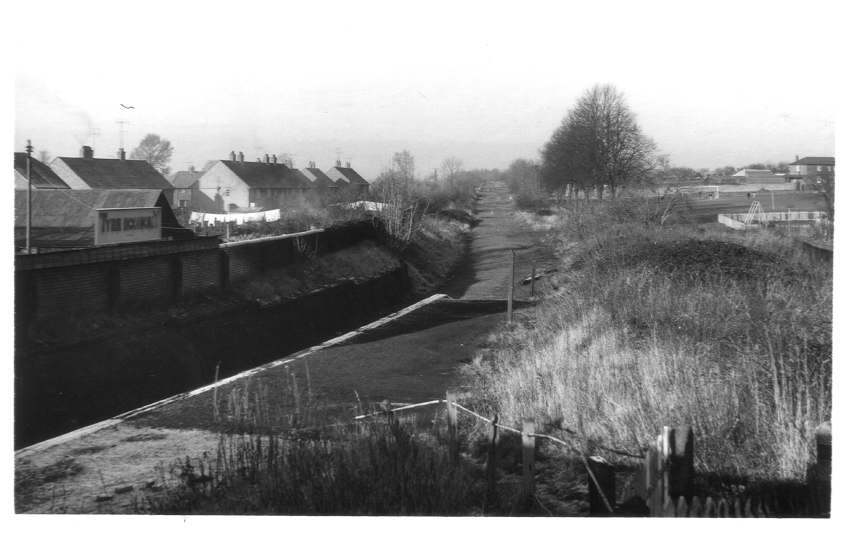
(226, 185)
(84, 201)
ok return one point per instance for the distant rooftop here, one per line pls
(101, 173)
(268, 175)
(814, 160)
(42, 176)
(185, 179)
(351, 175)
(318, 178)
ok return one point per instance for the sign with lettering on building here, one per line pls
(127, 225)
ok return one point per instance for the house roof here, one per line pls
(352, 176)
(101, 173)
(318, 178)
(42, 175)
(75, 208)
(185, 179)
(268, 175)
(814, 160)
(64, 218)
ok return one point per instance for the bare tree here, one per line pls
(599, 145)
(451, 167)
(156, 151)
(393, 188)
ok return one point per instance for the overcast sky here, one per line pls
(713, 83)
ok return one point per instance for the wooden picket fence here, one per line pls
(667, 485)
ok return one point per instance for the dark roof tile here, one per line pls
(318, 178)
(185, 179)
(268, 175)
(42, 175)
(352, 175)
(117, 173)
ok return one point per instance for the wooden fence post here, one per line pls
(510, 286)
(657, 481)
(296, 396)
(680, 463)
(533, 277)
(601, 481)
(491, 495)
(215, 393)
(528, 449)
(666, 439)
(453, 446)
(821, 483)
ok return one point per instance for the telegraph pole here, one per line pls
(29, 196)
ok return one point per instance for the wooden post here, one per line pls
(680, 463)
(665, 442)
(533, 278)
(215, 394)
(528, 449)
(510, 286)
(653, 483)
(296, 396)
(601, 481)
(491, 495)
(821, 483)
(453, 446)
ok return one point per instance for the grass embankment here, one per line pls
(436, 248)
(664, 326)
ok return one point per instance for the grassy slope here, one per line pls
(673, 326)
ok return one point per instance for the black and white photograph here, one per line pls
(321, 260)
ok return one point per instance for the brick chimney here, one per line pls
(348, 164)
(232, 155)
(241, 157)
(274, 158)
(338, 162)
(267, 158)
(86, 152)
(122, 154)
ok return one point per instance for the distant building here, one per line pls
(185, 188)
(66, 218)
(318, 177)
(324, 187)
(88, 172)
(760, 176)
(811, 166)
(348, 179)
(236, 184)
(42, 176)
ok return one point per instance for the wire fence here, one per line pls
(668, 471)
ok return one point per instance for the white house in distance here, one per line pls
(237, 185)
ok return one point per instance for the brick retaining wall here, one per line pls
(110, 278)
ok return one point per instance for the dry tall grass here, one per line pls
(673, 326)
(275, 460)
